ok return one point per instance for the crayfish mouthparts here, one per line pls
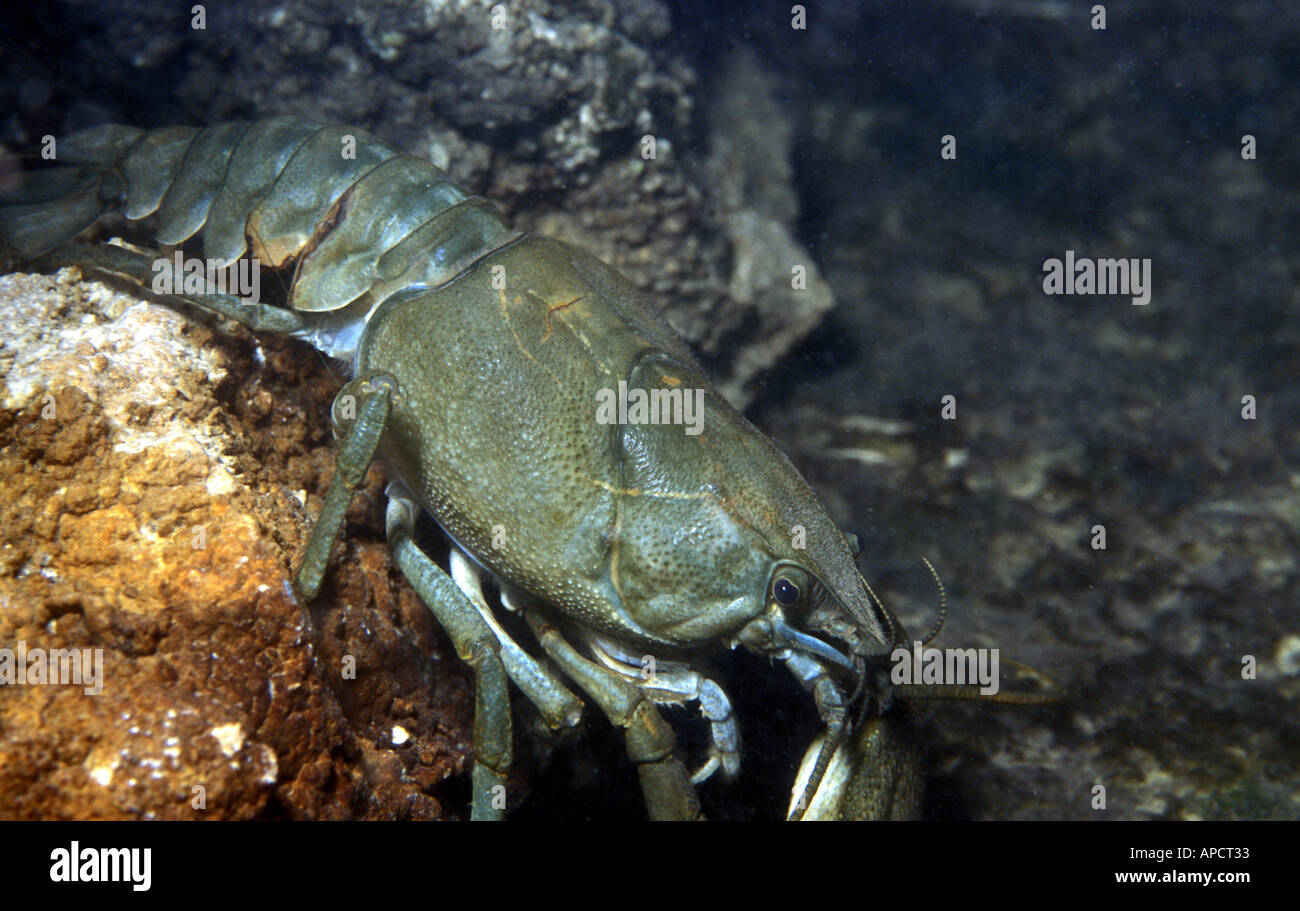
(814, 646)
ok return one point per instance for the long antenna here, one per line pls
(943, 605)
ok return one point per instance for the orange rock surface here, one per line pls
(157, 480)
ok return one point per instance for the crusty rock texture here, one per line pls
(155, 484)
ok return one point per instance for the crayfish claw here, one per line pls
(706, 771)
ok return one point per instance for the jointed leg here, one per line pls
(370, 396)
(674, 683)
(559, 707)
(833, 709)
(475, 643)
(667, 787)
(140, 268)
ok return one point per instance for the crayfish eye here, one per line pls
(790, 585)
(785, 591)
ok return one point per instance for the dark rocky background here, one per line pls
(775, 146)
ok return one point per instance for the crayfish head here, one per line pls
(802, 616)
(822, 592)
(859, 769)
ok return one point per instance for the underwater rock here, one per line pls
(155, 484)
(544, 108)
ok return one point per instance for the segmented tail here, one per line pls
(49, 207)
(354, 217)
